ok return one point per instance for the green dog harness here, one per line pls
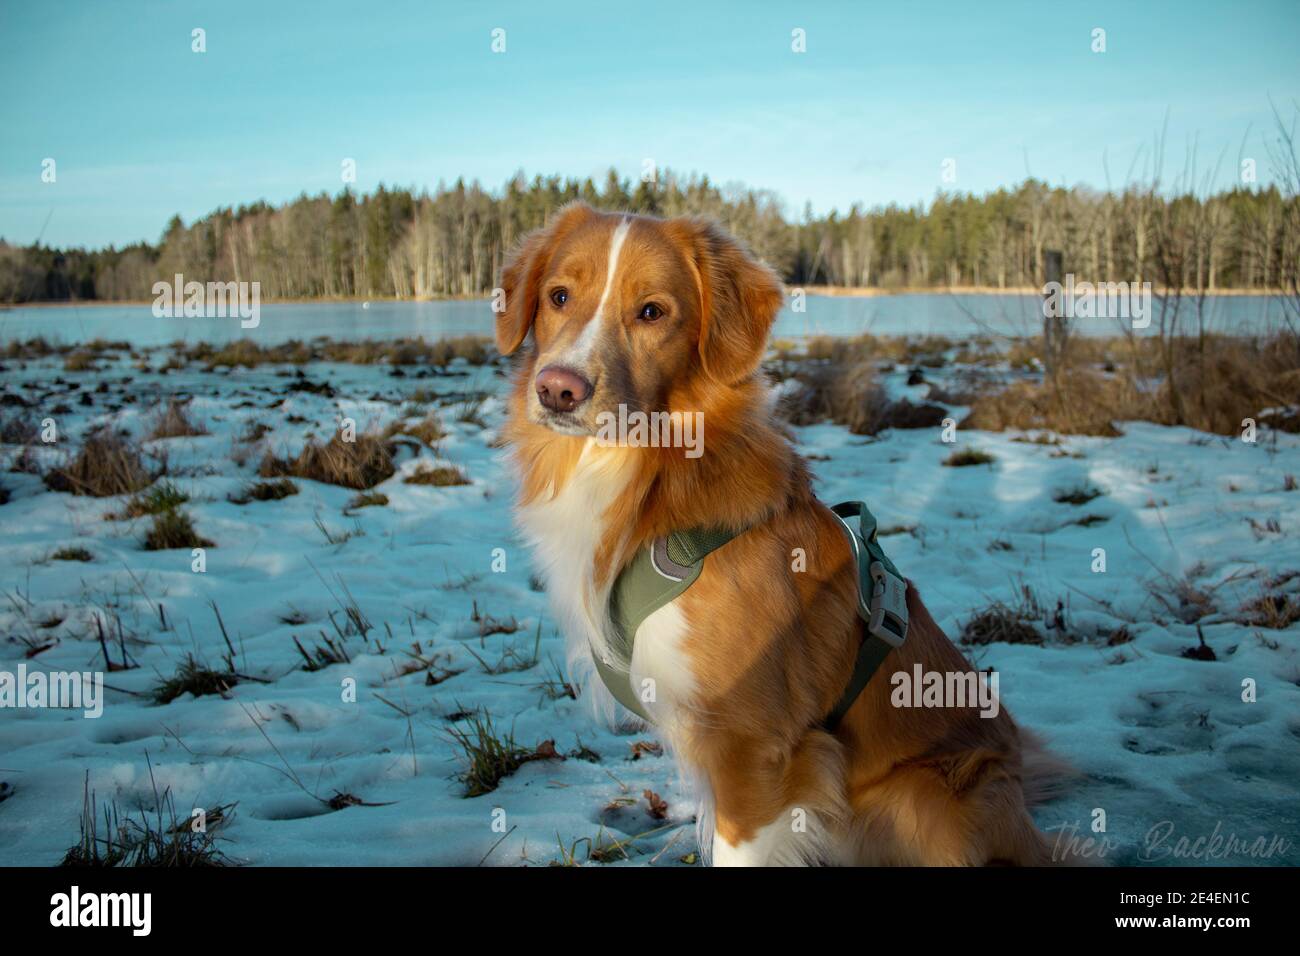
(670, 564)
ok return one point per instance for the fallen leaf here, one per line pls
(658, 805)
(649, 747)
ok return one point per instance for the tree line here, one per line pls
(451, 242)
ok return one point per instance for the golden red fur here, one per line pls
(674, 315)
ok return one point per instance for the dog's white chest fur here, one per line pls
(564, 532)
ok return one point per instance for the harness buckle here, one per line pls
(886, 614)
(885, 609)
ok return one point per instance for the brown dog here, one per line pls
(634, 314)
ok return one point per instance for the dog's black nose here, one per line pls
(560, 389)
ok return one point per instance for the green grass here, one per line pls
(192, 677)
(489, 757)
(107, 840)
(173, 529)
(161, 498)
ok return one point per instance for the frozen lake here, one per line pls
(917, 314)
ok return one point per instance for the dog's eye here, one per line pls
(559, 297)
(650, 312)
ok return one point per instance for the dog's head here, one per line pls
(632, 311)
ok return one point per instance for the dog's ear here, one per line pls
(739, 300)
(522, 276)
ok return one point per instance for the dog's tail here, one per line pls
(1043, 775)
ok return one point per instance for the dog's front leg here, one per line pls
(773, 844)
(775, 809)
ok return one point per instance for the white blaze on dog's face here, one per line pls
(631, 311)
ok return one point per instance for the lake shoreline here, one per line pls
(831, 291)
(1014, 315)
(871, 292)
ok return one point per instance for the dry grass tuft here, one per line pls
(441, 476)
(965, 457)
(18, 429)
(106, 465)
(1079, 495)
(174, 422)
(161, 841)
(192, 677)
(1084, 404)
(1000, 623)
(72, 554)
(1218, 383)
(80, 360)
(1274, 611)
(848, 395)
(1210, 383)
(264, 491)
(474, 349)
(358, 464)
(905, 414)
(839, 383)
(428, 429)
(173, 529)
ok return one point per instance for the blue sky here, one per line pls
(141, 128)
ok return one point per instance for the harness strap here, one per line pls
(882, 604)
(670, 564)
(653, 578)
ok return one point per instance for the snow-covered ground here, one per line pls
(1162, 740)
